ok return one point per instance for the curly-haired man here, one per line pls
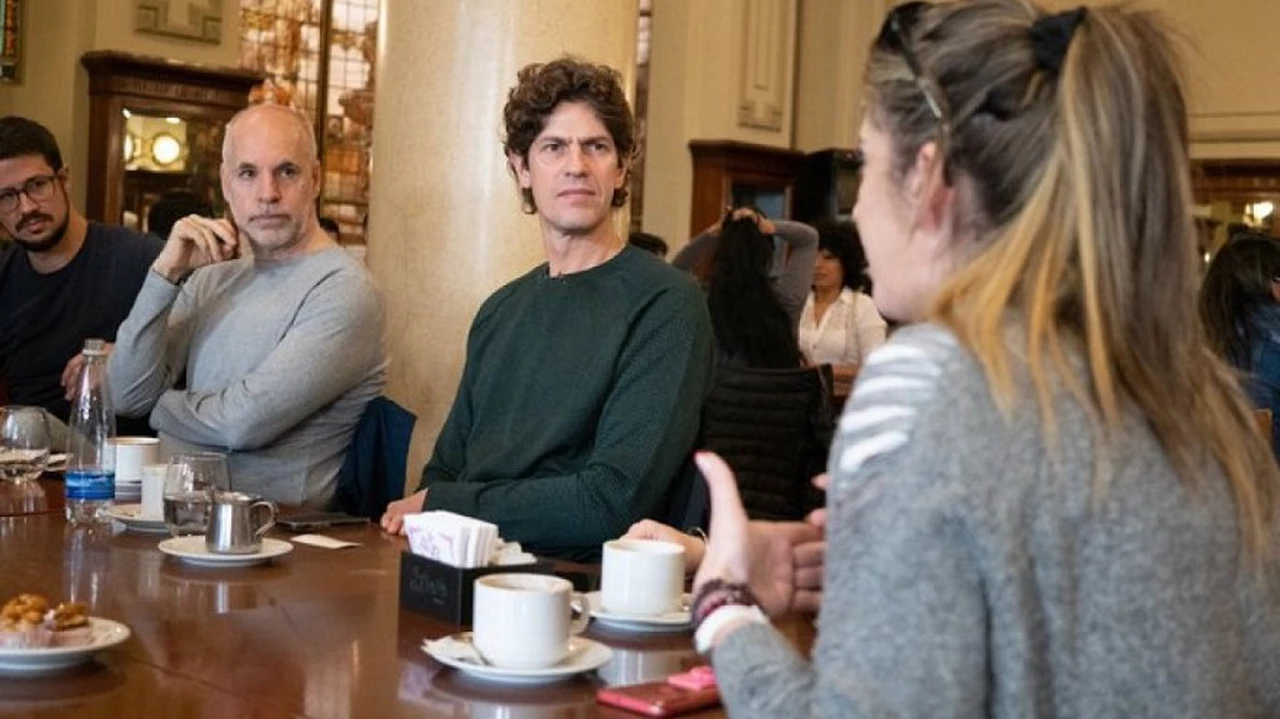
(580, 397)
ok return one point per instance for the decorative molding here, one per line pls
(192, 19)
(766, 60)
(1238, 181)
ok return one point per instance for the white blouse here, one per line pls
(850, 329)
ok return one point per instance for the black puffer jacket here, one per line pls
(773, 426)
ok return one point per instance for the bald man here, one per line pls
(256, 335)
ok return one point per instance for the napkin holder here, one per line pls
(446, 592)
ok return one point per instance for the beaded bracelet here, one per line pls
(718, 593)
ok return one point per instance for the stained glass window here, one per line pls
(10, 13)
(318, 55)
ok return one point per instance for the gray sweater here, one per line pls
(272, 361)
(969, 573)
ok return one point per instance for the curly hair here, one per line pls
(842, 241)
(541, 87)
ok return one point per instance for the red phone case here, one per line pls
(658, 699)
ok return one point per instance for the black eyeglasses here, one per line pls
(894, 37)
(38, 188)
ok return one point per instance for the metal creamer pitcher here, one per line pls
(237, 522)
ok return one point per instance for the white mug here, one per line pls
(523, 621)
(153, 490)
(641, 577)
(134, 453)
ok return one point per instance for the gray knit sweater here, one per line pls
(271, 361)
(969, 573)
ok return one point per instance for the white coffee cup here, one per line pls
(641, 577)
(153, 490)
(132, 454)
(523, 621)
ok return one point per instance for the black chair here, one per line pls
(773, 426)
(373, 474)
(688, 503)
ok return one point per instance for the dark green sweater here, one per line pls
(578, 406)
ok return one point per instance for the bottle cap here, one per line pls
(95, 347)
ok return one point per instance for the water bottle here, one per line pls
(91, 468)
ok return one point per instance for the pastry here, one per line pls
(28, 621)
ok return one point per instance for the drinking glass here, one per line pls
(189, 484)
(24, 443)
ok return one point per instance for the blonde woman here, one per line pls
(1048, 498)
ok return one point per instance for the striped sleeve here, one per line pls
(897, 380)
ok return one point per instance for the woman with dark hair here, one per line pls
(752, 327)
(1240, 306)
(790, 270)
(840, 324)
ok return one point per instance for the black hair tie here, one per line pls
(1051, 35)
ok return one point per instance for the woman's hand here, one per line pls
(810, 557)
(649, 529)
(762, 223)
(393, 518)
(764, 555)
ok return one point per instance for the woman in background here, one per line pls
(790, 272)
(1240, 305)
(840, 324)
(754, 312)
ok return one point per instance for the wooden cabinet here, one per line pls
(731, 174)
(198, 98)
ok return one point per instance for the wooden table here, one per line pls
(316, 633)
(43, 497)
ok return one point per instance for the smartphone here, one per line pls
(308, 521)
(658, 699)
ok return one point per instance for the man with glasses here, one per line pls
(62, 278)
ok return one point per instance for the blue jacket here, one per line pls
(1263, 379)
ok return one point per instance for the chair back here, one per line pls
(373, 473)
(773, 426)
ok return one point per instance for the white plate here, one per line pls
(192, 550)
(130, 516)
(457, 651)
(670, 622)
(104, 634)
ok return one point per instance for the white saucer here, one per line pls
(676, 621)
(130, 516)
(457, 651)
(192, 550)
(104, 634)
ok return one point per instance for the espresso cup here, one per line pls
(134, 453)
(523, 621)
(641, 577)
